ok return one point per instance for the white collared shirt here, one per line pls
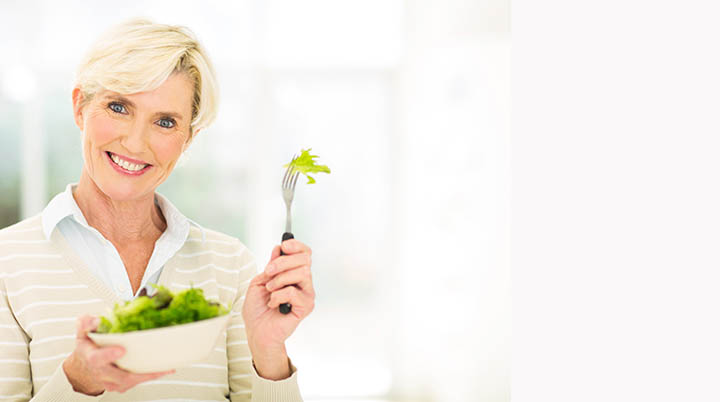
(100, 255)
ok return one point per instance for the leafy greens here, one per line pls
(162, 309)
(305, 165)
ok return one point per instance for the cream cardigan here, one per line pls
(45, 286)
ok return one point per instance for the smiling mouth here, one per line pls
(133, 167)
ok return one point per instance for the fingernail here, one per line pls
(269, 286)
(270, 268)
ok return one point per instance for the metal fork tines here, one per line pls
(288, 188)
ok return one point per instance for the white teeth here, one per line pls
(125, 164)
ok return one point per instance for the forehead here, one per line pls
(174, 95)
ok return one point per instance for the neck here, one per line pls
(121, 222)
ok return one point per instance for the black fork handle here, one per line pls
(285, 308)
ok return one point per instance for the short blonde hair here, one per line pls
(139, 55)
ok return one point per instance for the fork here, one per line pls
(288, 189)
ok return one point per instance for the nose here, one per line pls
(136, 138)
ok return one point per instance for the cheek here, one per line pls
(102, 130)
(167, 149)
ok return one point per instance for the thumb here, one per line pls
(86, 324)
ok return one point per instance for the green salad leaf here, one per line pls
(162, 309)
(305, 165)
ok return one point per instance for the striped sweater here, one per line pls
(45, 286)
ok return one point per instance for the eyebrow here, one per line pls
(131, 104)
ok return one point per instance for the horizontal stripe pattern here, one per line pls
(195, 285)
(212, 241)
(4, 275)
(44, 287)
(51, 358)
(235, 343)
(216, 267)
(13, 379)
(30, 256)
(210, 253)
(43, 292)
(53, 303)
(6, 343)
(16, 396)
(50, 321)
(51, 339)
(190, 383)
(23, 242)
(201, 284)
(210, 366)
(13, 361)
(182, 400)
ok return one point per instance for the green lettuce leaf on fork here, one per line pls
(305, 165)
(162, 309)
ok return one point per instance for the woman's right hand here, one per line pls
(90, 368)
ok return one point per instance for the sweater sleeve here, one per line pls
(15, 378)
(15, 368)
(15, 375)
(245, 383)
(59, 389)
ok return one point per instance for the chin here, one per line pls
(116, 190)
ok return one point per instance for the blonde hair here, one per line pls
(139, 55)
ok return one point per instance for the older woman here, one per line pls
(143, 93)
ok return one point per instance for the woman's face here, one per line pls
(131, 143)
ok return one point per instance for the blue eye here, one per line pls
(166, 123)
(116, 107)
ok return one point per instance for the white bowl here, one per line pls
(166, 348)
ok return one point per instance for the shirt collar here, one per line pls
(64, 205)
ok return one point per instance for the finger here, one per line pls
(288, 262)
(293, 246)
(260, 280)
(115, 378)
(275, 253)
(103, 357)
(115, 374)
(302, 303)
(138, 378)
(85, 324)
(112, 376)
(134, 379)
(300, 277)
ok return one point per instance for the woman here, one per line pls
(142, 94)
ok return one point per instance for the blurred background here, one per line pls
(408, 102)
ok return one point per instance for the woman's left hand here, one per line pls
(286, 279)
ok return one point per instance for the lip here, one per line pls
(123, 171)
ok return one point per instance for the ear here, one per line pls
(77, 98)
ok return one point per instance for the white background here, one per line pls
(614, 204)
(615, 201)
